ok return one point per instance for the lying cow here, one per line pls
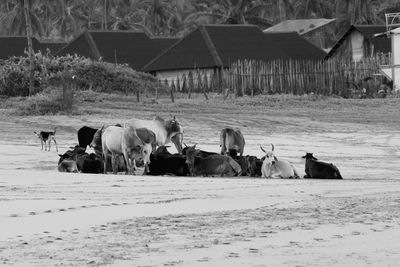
(84, 162)
(162, 163)
(254, 166)
(200, 153)
(214, 165)
(320, 170)
(67, 165)
(274, 168)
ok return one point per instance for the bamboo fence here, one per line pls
(250, 77)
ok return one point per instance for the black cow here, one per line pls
(162, 162)
(85, 136)
(255, 165)
(72, 154)
(320, 170)
(200, 153)
(89, 163)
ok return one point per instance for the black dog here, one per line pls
(47, 136)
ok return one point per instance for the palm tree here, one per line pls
(314, 9)
(30, 48)
(358, 12)
(158, 12)
(14, 21)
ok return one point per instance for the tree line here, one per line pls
(63, 19)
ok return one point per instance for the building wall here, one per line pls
(172, 75)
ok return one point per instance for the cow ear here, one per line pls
(60, 155)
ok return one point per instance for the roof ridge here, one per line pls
(210, 45)
(92, 44)
(167, 50)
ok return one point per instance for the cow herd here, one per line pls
(122, 148)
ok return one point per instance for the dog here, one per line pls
(45, 136)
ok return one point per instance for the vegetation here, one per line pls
(78, 71)
(63, 19)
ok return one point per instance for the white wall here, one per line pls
(357, 45)
(172, 75)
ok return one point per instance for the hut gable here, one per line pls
(133, 48)
(16, 46)
(359, 41)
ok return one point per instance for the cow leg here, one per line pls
(146, 169)
(41, 142)
(114, 163)
(49, 143)
(127, 163)
(105, 156)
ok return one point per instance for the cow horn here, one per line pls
(194, 145)
(185, 145)
(272, 145)
(262, 149)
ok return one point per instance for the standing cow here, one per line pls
(231, 142)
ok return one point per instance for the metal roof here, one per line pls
(301, 26)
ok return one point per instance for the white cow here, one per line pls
(274, 168)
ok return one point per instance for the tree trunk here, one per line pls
(30, 48)
(105, 13)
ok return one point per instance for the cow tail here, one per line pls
(235, 166)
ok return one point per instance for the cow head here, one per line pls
(96, 141)
(190, 157)
(309, 156)
(175, 133)
(269, 155)
(145, 153)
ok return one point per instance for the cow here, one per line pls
(320, 170)
(85, 136)
(231, 142)
(162, 162)
(200, 153)
(89, 163)
(165, 130)
(254, 166)
(213, 165)
(67, 165)
(72, 154)
(274, 168)
(122, 141)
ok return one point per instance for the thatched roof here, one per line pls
(215, 46)
(133, 48)
(15, 46)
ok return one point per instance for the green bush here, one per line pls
(81, 72)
